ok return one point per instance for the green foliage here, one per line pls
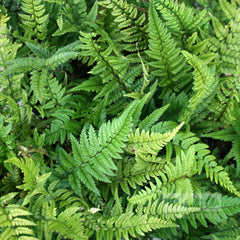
(119, 119)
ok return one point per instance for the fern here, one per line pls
(34, 21)
(213, 208)
(93, 156)
(13, 220)
(173, 178)
(229, 229)
(119, 119)
(204, 85)
(129, 23)
(70, 17)
(168, 61)
(145, 143)
(230, 134)
(179, 18)
(129, 225)
(225, 40)
(64, 224)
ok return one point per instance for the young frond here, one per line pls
(8, 50)
(13, 222)
(32, 181)
(169, 211)
(69, 224)
(129, 225)
(174, 179)
(146, 142)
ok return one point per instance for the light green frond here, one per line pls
(69, 224)
(128, 225)
(13, 220)
(229, 9)
(32, 181)
(205, 84)
(169, 211)
(8, 50)
(179, 17)
(217, 174)
(173, 178)
(146, 142)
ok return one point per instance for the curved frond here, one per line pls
(146, 142)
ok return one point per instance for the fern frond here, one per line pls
(110, 69)
(215, 172)
(179, 17)
(174, 178)
(32, 181)
(13, 220)
(230, 134)
(63, 124)
(168, 62)
(146, 142)
(93, 156)
(61, 56)
(34, 21)
(152, 118)
(129, 225)
(38, 50)
(130, 23)
(71, 17)
(213, 208)
(8, 50)
(229, 9)
(136, 172)
(205, 85)
(225, 41)
(38, 84)
(169, 211)
(24, 65)
(229, 229)
(223, 105)
(69, 224)
(224, 135)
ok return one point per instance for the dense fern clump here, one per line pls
(119, 119)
